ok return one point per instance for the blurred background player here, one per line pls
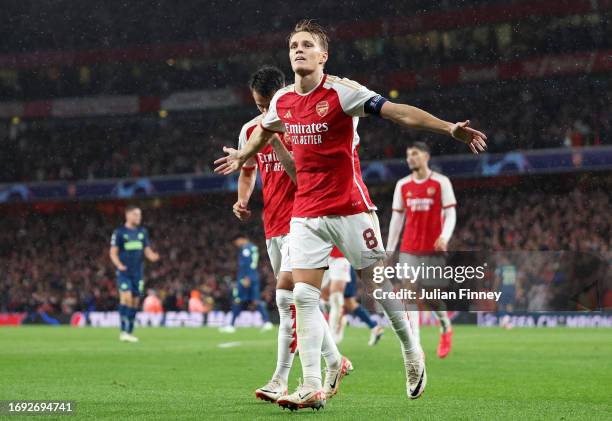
(152, 303)
(278, 190)
(247, 289)
(426, 201)
(339, 289)
(129, 247)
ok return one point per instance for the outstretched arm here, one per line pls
(234, 159)
(415, 118)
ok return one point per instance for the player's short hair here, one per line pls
(240, 235)
(267, 80)
(314, 29)
(130, 208)
(422, 146)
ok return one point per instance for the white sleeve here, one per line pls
(272, 121)
(397, 218)
(352, 96)
(398, 200)
(448, 195)
(395, 229)
(242, 140)
(450, 220)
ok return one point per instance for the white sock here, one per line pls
(329, 349)
(396, 313)
(310, 332)
(286, 343)
(445, 323)
(336, 301)
(413, 318)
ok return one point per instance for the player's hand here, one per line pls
(441, 244)
(155, 257)
(473, 138)
(241, 211)
(245, 282)
(229, 163)
(121, 268)
(390, 258)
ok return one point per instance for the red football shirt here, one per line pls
(278, 189)
(322, 126)
(423, 201)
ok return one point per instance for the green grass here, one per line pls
(558, 374)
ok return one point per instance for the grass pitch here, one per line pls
(557, 374)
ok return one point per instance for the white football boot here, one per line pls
(333, 378)
(267, 326)
(303, 397)
(416, 376)
(227, 329)
(272, 391)
(375, 335)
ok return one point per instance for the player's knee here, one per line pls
(351, 304)
(125, 298)
(284, 299)
(304, 295)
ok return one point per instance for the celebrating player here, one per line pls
(332, 206)
(247, 290)
(278, 193)
(129, 246)
(425, 199)
(340, 284)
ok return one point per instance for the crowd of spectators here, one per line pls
(65, 25)
(59, 262)
(376, 56)
(540, 114)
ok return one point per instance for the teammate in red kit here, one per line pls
(426, 201)
(278, 193)
(332, 206)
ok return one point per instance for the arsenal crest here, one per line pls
(322, 108)
(431, 191)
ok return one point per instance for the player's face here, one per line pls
(305, 53)
(134, 217)
(416, 158)
(262, 102)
